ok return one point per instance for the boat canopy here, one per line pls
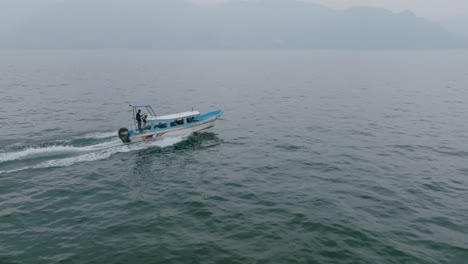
(140, 105)
(148, 107)
(176, 116)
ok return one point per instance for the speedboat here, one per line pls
(155, 127)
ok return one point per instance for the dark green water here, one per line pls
(320, 157)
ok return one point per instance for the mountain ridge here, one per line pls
(176, 24)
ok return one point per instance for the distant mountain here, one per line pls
(458, 24)
(267, 24)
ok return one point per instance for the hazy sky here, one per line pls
(10, 9)
(425, 8)
(21, 20)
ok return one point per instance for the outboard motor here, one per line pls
(124, 135)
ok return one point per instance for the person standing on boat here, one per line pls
(138, 119)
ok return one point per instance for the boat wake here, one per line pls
(62, 153)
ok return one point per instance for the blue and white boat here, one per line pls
(155, 127)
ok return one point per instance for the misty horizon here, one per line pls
(177, 24)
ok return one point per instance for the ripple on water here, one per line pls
(371, 170)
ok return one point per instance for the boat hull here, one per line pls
(173, 132)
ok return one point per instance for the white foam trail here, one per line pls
(15, 170)
(167, 141)
(53, 150)
(106, 153)
(101, 135)
(35, 152)
(72, 160)
(103, 145)
(96, 152)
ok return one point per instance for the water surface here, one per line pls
(320, 157)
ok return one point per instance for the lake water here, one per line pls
(320, 157)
